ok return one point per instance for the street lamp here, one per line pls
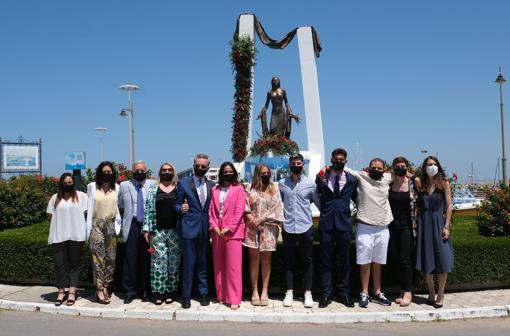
(129, 113)
(500, 81)
(101, 151)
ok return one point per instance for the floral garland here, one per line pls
(277, 144)
(242, 57)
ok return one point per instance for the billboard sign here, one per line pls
(75, 160)
(20, 157)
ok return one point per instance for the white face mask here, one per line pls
(432, 170)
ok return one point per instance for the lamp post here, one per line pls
(500, 81)
(129, 113)
(100, 130)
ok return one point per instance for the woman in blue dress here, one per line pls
(434, 251)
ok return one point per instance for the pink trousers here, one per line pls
(228, 269)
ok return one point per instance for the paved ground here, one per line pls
(36, 324)
(489, 303)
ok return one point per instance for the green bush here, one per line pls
(479, 261)
(23, 200)
(494, 213)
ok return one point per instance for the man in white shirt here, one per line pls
(372, 234)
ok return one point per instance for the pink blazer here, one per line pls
(233, 211)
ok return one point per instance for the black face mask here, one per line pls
(107, 177)
(296, 170)
(228, 177)
(166, 177)
(399, 171)
(375, 174)
(68, 187)
(200, 172)
(338, 166)
(140, 176)
(265, 178)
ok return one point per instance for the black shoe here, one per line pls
(204, 300)
(324, 302)
(346, 301)
(186, 304)
(128, 298)
(363, 300)
(380, 299)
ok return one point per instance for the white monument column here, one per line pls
(311, 100)
(247, 27)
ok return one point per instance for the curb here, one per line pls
(263, 317)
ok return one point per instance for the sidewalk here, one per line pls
(489, 303)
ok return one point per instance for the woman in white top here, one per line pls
(103, 225)
(66, 211)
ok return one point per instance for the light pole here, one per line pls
(500, 81)
(100, 130)
(129, 112)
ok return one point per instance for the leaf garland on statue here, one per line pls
(242, 57)
(277, 144)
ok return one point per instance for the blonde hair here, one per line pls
(174, 179)
(257, 180)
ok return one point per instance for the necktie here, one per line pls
(139, 202)
(336, 187)
(201, 192)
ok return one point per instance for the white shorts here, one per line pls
(371, 244)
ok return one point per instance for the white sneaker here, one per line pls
(289, 298)
(308, 300)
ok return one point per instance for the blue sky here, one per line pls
(395, 77)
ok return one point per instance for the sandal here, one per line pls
(158, 302)
(58, 301)
(169, 300)
(99, 299)
(70, 301)
(106, 295)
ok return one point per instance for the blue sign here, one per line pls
(75, 160)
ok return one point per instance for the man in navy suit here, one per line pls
(336, 189)
(192, 202)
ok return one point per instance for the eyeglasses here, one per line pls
(139, 171)
(200, 166)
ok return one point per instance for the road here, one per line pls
(41, 324)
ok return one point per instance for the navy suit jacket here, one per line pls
(196, 220)
(335, 210)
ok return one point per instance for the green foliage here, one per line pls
(23, 200)
(242, 57)
(494, 213)
(26, 257)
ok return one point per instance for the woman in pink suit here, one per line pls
(227, 233)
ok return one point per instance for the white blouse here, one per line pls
(67, 219)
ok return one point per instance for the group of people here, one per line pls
(167, 226)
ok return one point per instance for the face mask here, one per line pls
(265, 178)
(68, 187)
(199, 172)
(399, 171)
(166, 177)
(140, 176)
(107, 177)
(228, 177)
(338, 166)
(432, 170)
(375, 174)
(296, 170)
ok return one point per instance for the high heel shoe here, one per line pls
(70, 301)
(106, 295)
(58, 302)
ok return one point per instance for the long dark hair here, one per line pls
(99, 175)
(220, 173)
(440, 177)
(60, 189)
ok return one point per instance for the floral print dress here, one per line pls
(270, 207)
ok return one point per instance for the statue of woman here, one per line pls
(281, 115)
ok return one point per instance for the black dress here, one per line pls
(434, 254)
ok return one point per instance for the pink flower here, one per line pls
(151, 250)
(39, 178)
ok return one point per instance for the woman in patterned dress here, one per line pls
(265, 217)
(159, 229)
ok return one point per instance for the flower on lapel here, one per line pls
(322, 174)
(151, 250)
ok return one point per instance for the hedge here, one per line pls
(479, 261)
